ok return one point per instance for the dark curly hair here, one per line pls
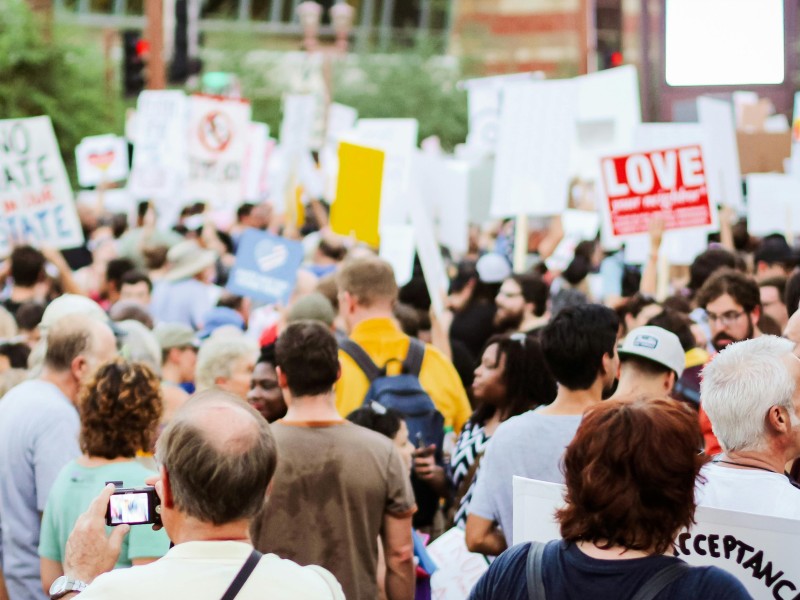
(120, 407)
(622, 488)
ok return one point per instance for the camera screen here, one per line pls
(129, 508)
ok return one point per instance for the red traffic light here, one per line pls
(142, 47)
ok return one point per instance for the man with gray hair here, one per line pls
(750, 393)
(217, 457)
(226, 362)
(38, 436)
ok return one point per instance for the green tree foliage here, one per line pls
(53, 77)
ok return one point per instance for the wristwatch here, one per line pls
(64, 585)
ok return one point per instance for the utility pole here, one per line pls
(154, 34)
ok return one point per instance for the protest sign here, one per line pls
(772, 204)
(341, 119)
(160, 163)
(756, 549)
(457, 569)
(256, 163)
(266, 267)
(115, 201)
(101, 159)
(668, 183)
(609, 111)
(679, 246)
(297, 123)
(483, 105)
(398, 248)
(430, 256)
(356, 210)
(795, 156)
(35, 195)
(218, 139)
(720, 151)
(397, 138)
(444, 183)
(537, 127)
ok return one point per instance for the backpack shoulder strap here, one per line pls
(241, 577)
(533, 571)
(413, 362)
(660, 580)
(362, 359)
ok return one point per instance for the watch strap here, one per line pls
(65, 585)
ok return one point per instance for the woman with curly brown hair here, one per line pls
(630, 473)
(119, 408)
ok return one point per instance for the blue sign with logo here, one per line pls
(266, 267)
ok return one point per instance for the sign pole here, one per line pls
(521, 243)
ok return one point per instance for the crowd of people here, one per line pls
(309, 450)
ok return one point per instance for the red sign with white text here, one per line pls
(668, 183)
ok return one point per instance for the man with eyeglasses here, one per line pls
(732, 302)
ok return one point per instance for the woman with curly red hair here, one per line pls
(630, 473)
(119, 408)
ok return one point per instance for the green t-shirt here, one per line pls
(73, 492)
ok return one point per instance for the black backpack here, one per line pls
(402, 392)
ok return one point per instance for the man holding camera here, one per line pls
(217, 458)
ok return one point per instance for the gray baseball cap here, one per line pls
(656, 344)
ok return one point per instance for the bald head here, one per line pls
(78, 336)
(220, 456)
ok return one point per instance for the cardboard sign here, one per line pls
(430, 256)
(255, 166)
(721, 151)
(266, 267)
(444, 183)
(457, 569)
(35, 195)
(101, 159)
(218, 141)
(670, 183)
(537, 127)
(758, 550)
(160, 162)
(398, 249)
(356, 210)
(772, 204)
(297, 124)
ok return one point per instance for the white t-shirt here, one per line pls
(204, 570)
(748, 490)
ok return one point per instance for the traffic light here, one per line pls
(608, 19)
(134, 54)
(183, 63)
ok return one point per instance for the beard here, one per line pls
(507, 321)
(722, 340)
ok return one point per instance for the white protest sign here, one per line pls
(117, 200)
(458, 569)
(398, 248)
(397, 138)
(609, 111)
(297, 124)
(256, 163)
(218, 140)
(483, 105)
(430, 256)
(341, 118)
(721, 150)
(444, 184)
(794, 160)
(101, 159)
(680, 247)
(160, 161)
(758, 550)
(35, 195)
(537, 126)
(773, 204)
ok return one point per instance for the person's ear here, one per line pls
(338, 371)
(755, 316)
(165, 490)
(282, 381)
(79, 367)
(778, 420)
(669, 382)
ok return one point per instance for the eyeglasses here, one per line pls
(727, 318)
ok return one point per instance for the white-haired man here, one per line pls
(750, 393)
(226, 362)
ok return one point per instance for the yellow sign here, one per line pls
(358, 193)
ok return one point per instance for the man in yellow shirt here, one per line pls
(367, 293)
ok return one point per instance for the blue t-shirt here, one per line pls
(569, 574)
